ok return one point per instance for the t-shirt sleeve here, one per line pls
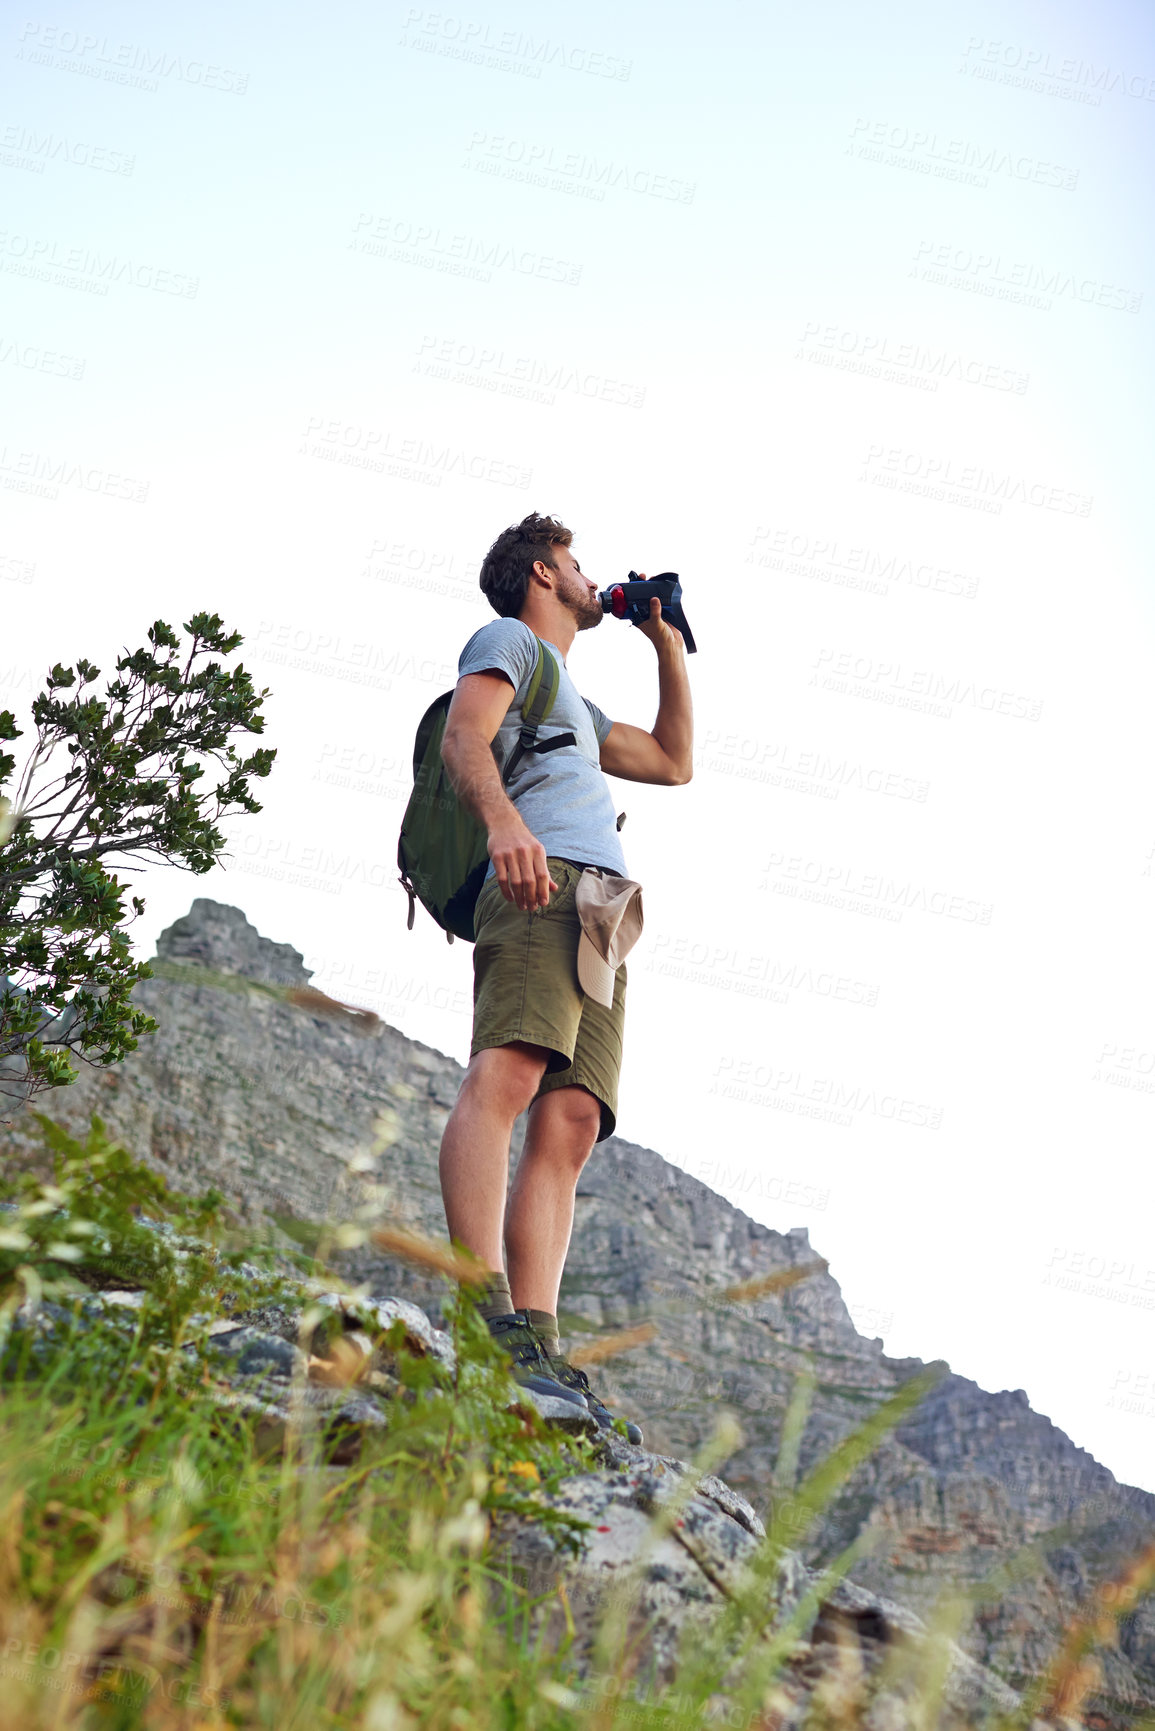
(601, 720)
(504, 646)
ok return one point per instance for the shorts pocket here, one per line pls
(484, 905)
(565, 876)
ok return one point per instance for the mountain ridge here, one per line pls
(267, 1091)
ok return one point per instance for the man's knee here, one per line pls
(571, 1116)
(508, 1076)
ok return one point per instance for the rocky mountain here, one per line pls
(656, 1555)
(288, 1103)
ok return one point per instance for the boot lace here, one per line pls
(524, 1347)
(569, 1373)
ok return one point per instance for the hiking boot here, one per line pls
(576, 1379)
(532, 1366)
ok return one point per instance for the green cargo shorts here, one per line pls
(525, 987)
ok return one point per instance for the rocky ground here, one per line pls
(261, 1088)
(670, 1547)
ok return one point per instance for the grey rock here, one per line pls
(43, 1321)
(663, 1589)
(361, 1415)
(671, 1588)
(251, 1352)
(732, 1504)
(123, 1299)
(653, 1546)
(271, 1102)
(625, 1456)
(280, 1319)
(565, 1415)
(219, 937)
(262, 1404)
(382, 1313)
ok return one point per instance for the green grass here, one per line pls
(166, 1563)
(149, 1540)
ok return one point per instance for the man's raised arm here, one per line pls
(479, 706)
(665, 755)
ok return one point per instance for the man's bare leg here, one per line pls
(474, 1163)
(562, 1128)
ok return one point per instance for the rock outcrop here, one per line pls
(257, 1087)
(651, 1549)
(683, 1580)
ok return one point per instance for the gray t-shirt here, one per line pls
(562, 796)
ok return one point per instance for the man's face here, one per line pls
(576, 591)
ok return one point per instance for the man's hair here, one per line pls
(507, 567)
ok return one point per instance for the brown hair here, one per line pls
(507, 567)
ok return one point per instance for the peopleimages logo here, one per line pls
(383, 451)
(79, 266)
(34, 359)
(496, 150)
(129, 63)
(25, 147)
(525, 376)
(951, 158)
(15, 571)
(1125, 1067)
(1069, 76)
(876, 355)
(504, 50)
(993, 488)
(853, 890)
(1020, 281)
(751, 1082)
(730, 969)
(891, 682)
(781, 763)
(827, 560)
(466, 255)
(332, 656)
(38, 473)
(1095, 1275)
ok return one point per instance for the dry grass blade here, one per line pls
(620, 1631)
(304, 997)
(308, 998)
(625, 1339)
(744, 1291)
(423, 1252)
(762, 1284)
(1075, 1672)
(345, 1363)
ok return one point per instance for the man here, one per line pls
(540, 1040)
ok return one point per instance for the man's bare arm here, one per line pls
(665, 755)
(479, 706)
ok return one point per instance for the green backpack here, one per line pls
(443, 853)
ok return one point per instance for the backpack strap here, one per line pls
(540, 695)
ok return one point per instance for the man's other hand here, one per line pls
(659, 631)
(519, 864)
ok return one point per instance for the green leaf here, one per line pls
(148, 770)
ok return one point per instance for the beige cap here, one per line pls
(610, 910)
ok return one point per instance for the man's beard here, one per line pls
(585, 605)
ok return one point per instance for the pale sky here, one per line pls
(844, 317)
